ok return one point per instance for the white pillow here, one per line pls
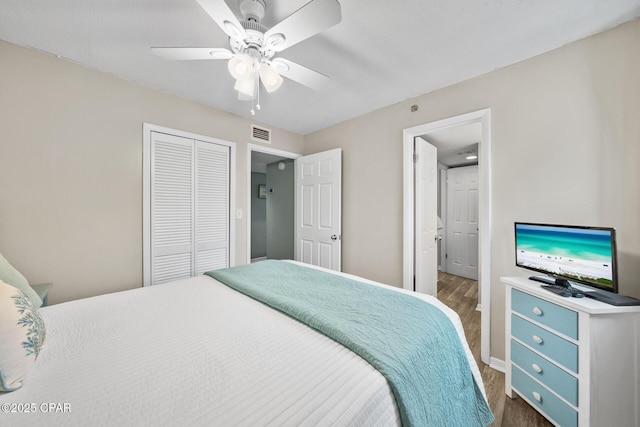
(11, 276)
(21, 336)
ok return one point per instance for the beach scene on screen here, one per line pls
(583, 254)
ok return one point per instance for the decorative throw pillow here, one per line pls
(22, 332)
(10, 275)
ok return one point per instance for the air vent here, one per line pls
(260, 134)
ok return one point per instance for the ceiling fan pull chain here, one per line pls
(253, 96)
(258, 90)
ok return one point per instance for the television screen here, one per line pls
(585, 255)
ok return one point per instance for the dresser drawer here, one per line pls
(546, 313)
(545, 342)
(543, 399)
(558, 380)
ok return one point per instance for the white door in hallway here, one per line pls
(426, 217)
(462, 221)
(318, 186)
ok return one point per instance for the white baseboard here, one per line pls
(497, 364)
(479, 307)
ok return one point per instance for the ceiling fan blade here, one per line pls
(224, 17)
(309, 20)
(189, 53)
(300, 74)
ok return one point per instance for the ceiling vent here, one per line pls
(260, 134)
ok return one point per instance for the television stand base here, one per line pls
(551, 281)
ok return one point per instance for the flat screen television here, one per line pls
(581, 255)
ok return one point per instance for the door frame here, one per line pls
(267, 150)
(484, 245)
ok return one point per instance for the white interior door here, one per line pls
(318, 185)
(426, 218)
(462, 221)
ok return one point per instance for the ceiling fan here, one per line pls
(253, 45)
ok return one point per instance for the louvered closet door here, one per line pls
(212, 207)
(189, 207)
(171, 207)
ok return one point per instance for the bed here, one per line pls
(198, 352)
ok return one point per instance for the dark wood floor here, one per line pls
(462, 296)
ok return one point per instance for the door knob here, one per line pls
(334, 237)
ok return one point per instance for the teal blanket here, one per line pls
(409, 341)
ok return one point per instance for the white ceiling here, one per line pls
(383, 51)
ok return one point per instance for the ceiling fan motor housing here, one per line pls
(252, 10)
(254, 39)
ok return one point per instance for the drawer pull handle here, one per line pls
(537, 311)
(537, 339)
(536, 368)
(537, 396)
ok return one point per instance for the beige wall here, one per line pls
(566, 149)
(71, 170)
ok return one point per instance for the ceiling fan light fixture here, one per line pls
(270, 78)
(246, 86)
(252, 44)
(240, 66)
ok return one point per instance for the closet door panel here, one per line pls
(211, 206)
(172, 224)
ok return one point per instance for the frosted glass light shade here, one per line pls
(240, 66)
(270, 78)
(246, 85)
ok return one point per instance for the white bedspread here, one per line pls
(194, 352)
